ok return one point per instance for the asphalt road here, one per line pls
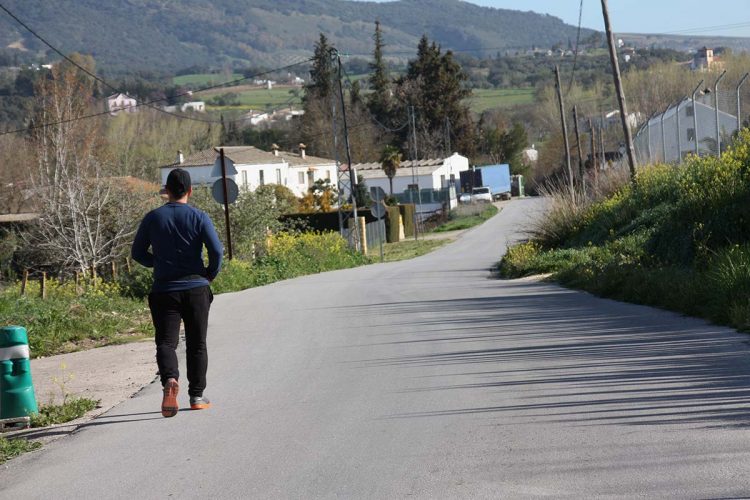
(428, 379)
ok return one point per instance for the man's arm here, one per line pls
(214, 247)
(139, 250)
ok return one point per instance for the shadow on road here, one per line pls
(578, 359)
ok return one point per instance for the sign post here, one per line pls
(226, 201)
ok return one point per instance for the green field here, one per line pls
(484, 99)
(262, 98)
(205, 79)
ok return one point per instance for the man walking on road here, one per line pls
(176, 233)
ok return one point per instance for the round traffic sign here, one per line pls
(217, 190)
(378, 209)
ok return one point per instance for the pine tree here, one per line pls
(434, 85)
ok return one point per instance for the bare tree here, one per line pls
(86, 216)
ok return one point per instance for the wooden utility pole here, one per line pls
(580, 151)
(564, 130)
(620, 91)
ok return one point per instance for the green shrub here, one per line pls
(289, 255)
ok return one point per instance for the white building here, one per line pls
(198, 106)
(255, 117)
(255, 168)
(121, 102)
(432, 175)
(662, 140)
(530, 155)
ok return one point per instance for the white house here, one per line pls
(530, 155)
(431, 175)
(121, 102)
(255, 168)
(198, 106)
(427, 174)
(255, 117)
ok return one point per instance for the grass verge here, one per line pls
(71, 409)
(66, 321)
(467, 216)
(676, 238)
(10, 447)
(407, 249)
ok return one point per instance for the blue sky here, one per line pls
(699, 17)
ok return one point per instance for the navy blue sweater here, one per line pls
(176, 233)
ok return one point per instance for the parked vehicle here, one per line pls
(481, 195)
(464, 198)
(495, 177)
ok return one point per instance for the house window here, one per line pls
(691, 134)
(311, 177)
(261, 180)
(453, 179)
(442, 181)
(278, 176)
(244, 178)
(328, 175)
(301, 177)
(689, 111)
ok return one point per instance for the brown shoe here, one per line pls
(169, 405)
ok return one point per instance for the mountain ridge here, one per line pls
(174, 34)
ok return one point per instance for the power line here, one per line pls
(720, 27)
(112, 87)
(149, 104)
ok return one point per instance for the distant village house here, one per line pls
(121, 102)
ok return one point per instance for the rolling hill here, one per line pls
(127, 35)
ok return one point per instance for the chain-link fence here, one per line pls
(704, 123)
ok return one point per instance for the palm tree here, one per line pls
(390, 161)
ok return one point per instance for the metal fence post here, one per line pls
(664, 136)
(739, 103)
(716, 101)
(695, 118)
(679, 139)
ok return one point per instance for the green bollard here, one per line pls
(16, 390)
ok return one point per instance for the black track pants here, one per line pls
(167, 309)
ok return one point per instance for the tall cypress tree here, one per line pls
(322, 71)
(379, 100)
(317, 101)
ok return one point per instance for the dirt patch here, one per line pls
(109, 374)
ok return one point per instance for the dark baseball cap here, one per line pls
(178, 182)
